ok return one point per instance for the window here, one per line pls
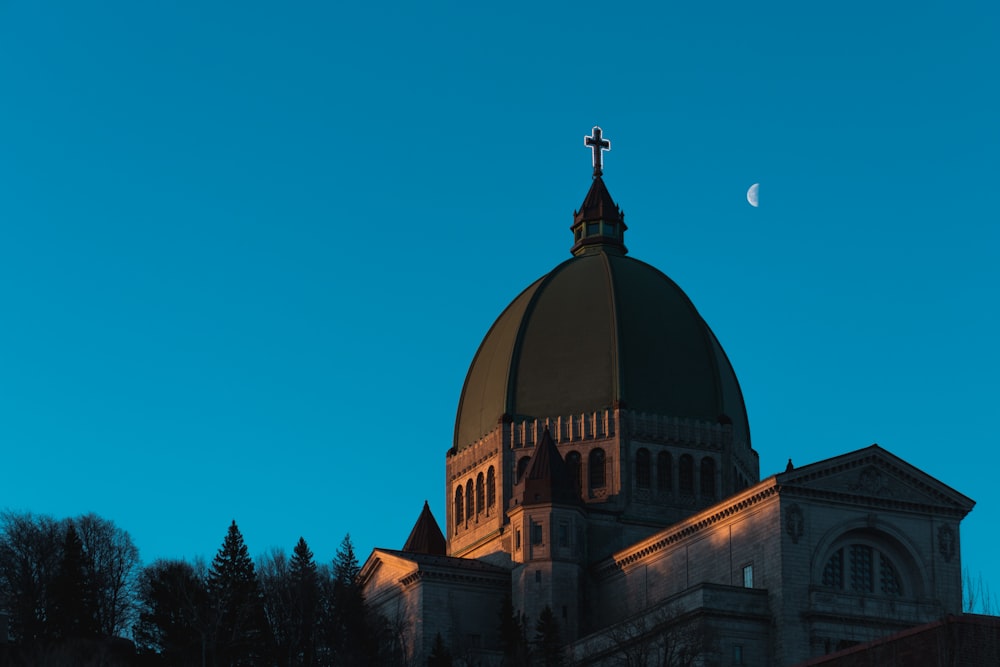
(596, 465)
(480, 495)
(491, 489)
(708, 477)
(575, 467)
(536, 533)
(853, 568)
(459, 518)
(748, 576)
(686, 475)
(564, 534)
(737, 654)
(538, 576)
(517, 540)
(664, 472)
(642, 471)
(469, 500)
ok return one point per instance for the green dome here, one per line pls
(601, 330)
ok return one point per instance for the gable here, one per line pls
(874, 476)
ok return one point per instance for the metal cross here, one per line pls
(598, 144)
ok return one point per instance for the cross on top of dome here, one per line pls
(598, 144)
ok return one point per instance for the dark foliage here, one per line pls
(548, 642)
(237, 615)
(173, 614)
(439, 655)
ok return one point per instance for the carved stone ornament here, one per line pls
(946, 542)
(795, 523)
(872, 482)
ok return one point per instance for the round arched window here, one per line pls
(862, 568)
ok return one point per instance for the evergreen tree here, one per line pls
(439, 655)
(512, 639)
(235, 603)
(72, 611)
(349, 628)
(305, 608)
(547, 639)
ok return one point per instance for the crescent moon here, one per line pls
(752, 194)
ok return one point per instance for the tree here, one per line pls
(547, 639)
(235, 603)
(114, 563)
(305, 610)
(173, 619)
(276, 596)
(30, 553)
(439, 655)
(662, 638)
(512, 636)
(72, 612)
(348, 625)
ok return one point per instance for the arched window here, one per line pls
(491, 489)
(685, 477)
(664, 472)
(522, 467)
(861, 568)
(459, 507)
(642, 472)
(469, 500)
(480, 495)
(708, 477)
(575, 466)
(596, 464)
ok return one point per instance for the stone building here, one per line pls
(602, 467)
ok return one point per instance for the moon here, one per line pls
(752, 194)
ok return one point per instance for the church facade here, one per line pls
(602, 469)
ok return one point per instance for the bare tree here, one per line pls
(660, 639)
(977, 597)
(30, 551)
(114, 568)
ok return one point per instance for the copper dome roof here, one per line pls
(602, 329)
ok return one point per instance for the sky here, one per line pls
(248, 251)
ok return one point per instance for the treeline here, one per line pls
(74, 591)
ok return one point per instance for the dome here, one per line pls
(601, 330)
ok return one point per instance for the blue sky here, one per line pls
(248, 252)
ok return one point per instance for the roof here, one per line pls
(600, 330)
(547, 478)
(426, 536)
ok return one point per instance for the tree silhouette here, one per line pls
(548, 640)
(349, 628)
(173, 614)
(305, 609)
(235, 603)
(72, 612)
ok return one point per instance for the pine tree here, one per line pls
(512, 639)
(72, 611)
(305, 609)
(235, 602)
(349, 627)
(439, 655)
(547, 639)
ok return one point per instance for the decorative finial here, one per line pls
(598, 144)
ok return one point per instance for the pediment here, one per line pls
(874, 475)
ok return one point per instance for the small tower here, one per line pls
(549, 528)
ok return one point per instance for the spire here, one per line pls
(426, 537)
(599, 223)
(547, 479)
